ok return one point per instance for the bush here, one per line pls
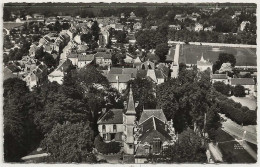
(222, 88)
(239, 91)
(106, 148)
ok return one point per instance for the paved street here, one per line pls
(238, 130)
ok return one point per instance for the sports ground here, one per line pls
(189, 54)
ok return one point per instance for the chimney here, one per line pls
(103, 111)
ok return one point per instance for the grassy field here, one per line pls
(247, 101)
(230, 154)
(189, 54)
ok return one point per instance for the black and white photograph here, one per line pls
(129, 82)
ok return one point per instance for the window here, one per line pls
(104, 128)
(114, 128)
(147, 150)
(104, 136)
(130, 146)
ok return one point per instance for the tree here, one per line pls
(70, 143)
(222, 88)
(95, 30)
(106, 148)
(120, 36)
(49, 60)
(161, 51)
(188, 148)
(86, 37)
(20, 135)
(57, 26)
(224, 58)
(239, 91)
(144, 93)
(89, 76)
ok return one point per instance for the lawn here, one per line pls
(230, 151)
(189, 54)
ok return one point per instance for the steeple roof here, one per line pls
(130, 104)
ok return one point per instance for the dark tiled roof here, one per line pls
(219, 76)
(86, 57)
(116, 70)
(8, 73)
(122, 78)
(153, 128)
(141, 73)
(103, 54)
(165, 70)
(242, 81)
(113, 116)
(10, 25)
(147, 113)
(132, 71)
(159, 74)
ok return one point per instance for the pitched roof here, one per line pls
(130, 104)
(159, 74)
(242, 81)
(141, 73)
(132, 71)
(153, 128)
(8, 73)
(103, 54)
(10, 25)
(147, 113)
(86, 57)
(122, 78)
(116, 70)
(113, 116)
(219, 76)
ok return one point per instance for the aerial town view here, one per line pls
(129, 83)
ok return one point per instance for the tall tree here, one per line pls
(161, 51)
(70, 143)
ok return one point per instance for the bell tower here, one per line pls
(129, 119)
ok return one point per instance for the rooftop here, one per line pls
(113, 116)
(242, 81)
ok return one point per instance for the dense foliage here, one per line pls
(69, 143)
(106, 148)
(187, 99)
(239, 91)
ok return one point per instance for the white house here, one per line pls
(248, 83)
(198, 27)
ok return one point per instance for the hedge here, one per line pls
(106, 148)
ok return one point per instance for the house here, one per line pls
(50, 20)
(243, 25)
(137, 26)
(219, 78)
(156, 76)
(152, 135)
(173, 59)
(84, 60)
(36, 76)
(82, 48)
(154, 27)
(129, 58)
(147, 65)
(198, 27)
(111, 128)
(203, 64)
(58, 74)
(175, 27)
(180, 17)
(119, 27)
(118, 81)
(137, 62)
(7, 73)
(32, 50)
(211, 28)
(103, 38)
(131, 39)
(248, 83)
(103, 58)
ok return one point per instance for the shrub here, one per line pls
(239, 91)
(106, 148)
(222, 88)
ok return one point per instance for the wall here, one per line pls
(57, 79)
(215, 44)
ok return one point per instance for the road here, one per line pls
(237, 130)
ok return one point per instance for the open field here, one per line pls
(189, 54)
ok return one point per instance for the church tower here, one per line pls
(129, 119)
